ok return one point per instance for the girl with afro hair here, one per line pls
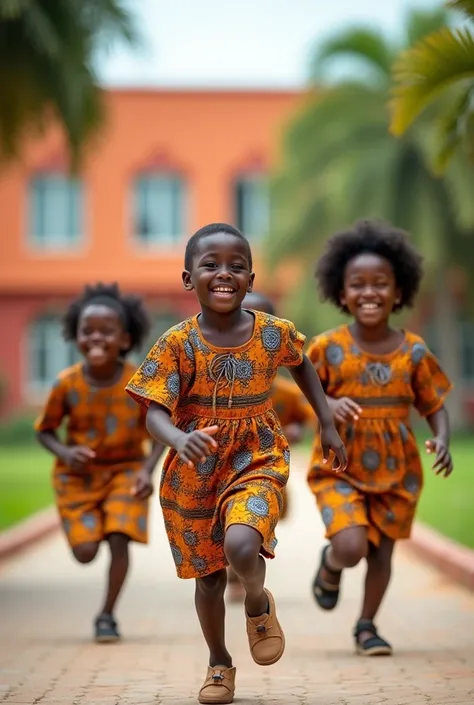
(102, 472)
(373, 374)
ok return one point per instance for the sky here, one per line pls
(238, 43)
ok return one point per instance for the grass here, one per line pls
(446, 504)
(25, 483)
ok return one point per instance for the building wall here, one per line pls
(207, 138)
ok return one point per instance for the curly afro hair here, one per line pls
(128, 307)
(377, 238)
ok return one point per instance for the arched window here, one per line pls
(48, 353)
(56, 218)
(158, 208)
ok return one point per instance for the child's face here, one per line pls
(220, 273)
(100, 335)
(370, 290)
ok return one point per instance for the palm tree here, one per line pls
(440, 65)
(340, 163)
(47, 52)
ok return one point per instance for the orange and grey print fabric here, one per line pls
(99, 499)
(290, 404)
(243, 480)
(384, 476)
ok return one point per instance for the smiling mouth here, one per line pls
(95, 352)
(369, 307)
(223, 290)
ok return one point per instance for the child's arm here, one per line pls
(192, 447)
(439, 444)
(308, 381)
(143, 482)
(75, 457)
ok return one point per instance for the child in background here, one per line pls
(102, 476)
(373, 374)
(294, 414)
(207, 386)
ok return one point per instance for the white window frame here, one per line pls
(167, 239)
(73, 195)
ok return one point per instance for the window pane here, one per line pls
(252, 205)
(56, 210)
(48, 353)
(158, 208)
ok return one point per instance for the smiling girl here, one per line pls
(102, 474)
(373, 374)
(207, 385)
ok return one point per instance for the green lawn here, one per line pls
(25, 484)
(446, 504)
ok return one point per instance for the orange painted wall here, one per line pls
(209, 136)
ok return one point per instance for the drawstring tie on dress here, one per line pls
(223, 367)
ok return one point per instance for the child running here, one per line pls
(207, 385)
(102, 477)
(372, 375)
(294, 414)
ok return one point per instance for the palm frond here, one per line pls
(49, 49)
(363, 44)
(420, 23)
(466, 6)
(422, 72)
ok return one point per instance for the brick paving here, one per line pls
(47, 603)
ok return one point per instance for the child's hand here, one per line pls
(443, 462)
(143, 487)
(293, 433)
(194, 447)
(330, 440)
(345, 409)
(77, 457)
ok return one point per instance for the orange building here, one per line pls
(166, 163)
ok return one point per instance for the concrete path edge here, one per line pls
(450, 557)
(27, 532)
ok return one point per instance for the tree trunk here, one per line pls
(449, 342)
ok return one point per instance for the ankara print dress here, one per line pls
(242, 482)
(382, 485)
(99, 499)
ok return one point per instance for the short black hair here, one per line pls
(212, 229)
(129, 308)
(378, 238)
(260, 302)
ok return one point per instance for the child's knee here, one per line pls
(350, 546)
(242, 547)
(85, 552)
(213, 584)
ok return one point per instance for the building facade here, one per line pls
(166, 163)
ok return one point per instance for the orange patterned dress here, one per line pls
(242, 482)
(99, 500)
(382, 485)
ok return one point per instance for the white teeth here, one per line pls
(370, 306)
(223, 290)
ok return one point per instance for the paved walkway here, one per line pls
(47, 603)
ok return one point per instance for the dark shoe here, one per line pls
(374, 645)
(106, 630)
(326, 594)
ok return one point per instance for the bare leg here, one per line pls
(242, 548)
(118, 569)
(210, 607)
(379, 568)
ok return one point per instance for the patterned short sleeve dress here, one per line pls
(243, 481)
(382, 485)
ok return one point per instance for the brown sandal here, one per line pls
(266, 638)
(219, 686)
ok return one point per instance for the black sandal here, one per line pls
(325, 594)
(374, 645)
(106, 629)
